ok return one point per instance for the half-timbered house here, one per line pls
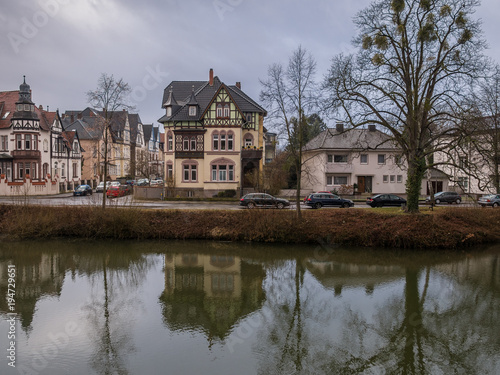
(213, 137)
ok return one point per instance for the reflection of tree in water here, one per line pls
(113, 307)
(437, 325)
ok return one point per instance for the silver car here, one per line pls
(492, 200)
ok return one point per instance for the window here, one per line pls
(20, 170)
(192, 110)
(462, 163)
(63, 170)
(223, 141)
(222, 172)
(400, 179)
(193, 143)
(189, 173)
(45, 145)
(27, 141)
(215, 141)
(226, 110)
(55, 168)
(385, 178)
(330, 158)
(364, 159)
(45, 170)
(248, 140)
(170, 171)
(340, 158)
(340, 180)
(4, 143)
(19, 142)
(75, 170)
(392, 178)
(186, 144)
(329, 180)
(381, 158)
(169, 111)
(170, 143)
(219, 110)
(398, 159)
(463, 182)
(230, 141)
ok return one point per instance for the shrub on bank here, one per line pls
(448, 228)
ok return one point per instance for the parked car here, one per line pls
(143, 182)
(318, 200)
(156, 183)
(446, 197)
(115, 191)
(100, 186)
(253, 200)
(492, 200)
(305, 198)
(82, 190)
(381, 200)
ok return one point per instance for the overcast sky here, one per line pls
(62, 46)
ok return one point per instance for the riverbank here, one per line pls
(445, 228)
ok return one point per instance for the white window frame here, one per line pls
(361, 159)
(378, 159)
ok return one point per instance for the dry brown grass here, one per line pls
(443, 228)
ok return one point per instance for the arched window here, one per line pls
(223, 140)
(170, 141)
(193, 143)
(226, 110)
(222, 170)
(63, 170)
(219, 110)
(230, 141)
(185, 146)
(215, 140)
(248, 140)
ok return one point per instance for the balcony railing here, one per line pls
(26, 154)
(251, 153)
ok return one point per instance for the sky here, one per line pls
(63, 46)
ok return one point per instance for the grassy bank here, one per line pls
(446, 228)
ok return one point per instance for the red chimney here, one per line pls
(238, 85)
(211, 81)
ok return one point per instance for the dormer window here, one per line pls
(169, 111)
(192, 110)
(26, 107)
(5, 116)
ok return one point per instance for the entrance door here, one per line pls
(361, 184)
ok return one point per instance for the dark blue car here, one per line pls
(83, 190)
(318, 200)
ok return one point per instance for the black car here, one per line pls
(83, 190)
(381, 200)
(263, 200)
(446, 197)
(318, 200)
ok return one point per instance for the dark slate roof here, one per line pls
(203, 95)
(134, 120)
(354, 139)
(147, 129)
(86, 127)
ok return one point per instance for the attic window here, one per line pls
(226, 110)
(5, 116)
(169, 111)
(192, 110)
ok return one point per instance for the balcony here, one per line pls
(26, 154)
(251, 153)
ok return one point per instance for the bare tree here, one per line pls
(290, 93)
(413, 69)
(110, 95)
(484, 130)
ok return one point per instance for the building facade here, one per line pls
(213, 137)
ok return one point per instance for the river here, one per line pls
(110, 307)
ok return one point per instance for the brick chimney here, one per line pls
(340, 127)
(211, 76)
(238, 85)
(372, 128)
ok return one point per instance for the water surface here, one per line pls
(224, 308)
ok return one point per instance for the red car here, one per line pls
(116, 191)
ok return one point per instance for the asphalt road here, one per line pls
(67, 199)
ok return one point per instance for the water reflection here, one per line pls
(198, 307)
(209, 293)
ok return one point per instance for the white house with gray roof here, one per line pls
(337, 159)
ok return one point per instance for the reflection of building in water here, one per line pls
(481, 270)
(209, 292)
(36, 277)
(336, 275)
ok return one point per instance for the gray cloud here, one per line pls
(62, 46)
